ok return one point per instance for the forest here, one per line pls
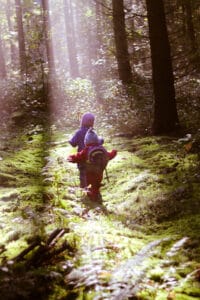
(134, 65)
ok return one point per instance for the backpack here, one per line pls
(97, 159)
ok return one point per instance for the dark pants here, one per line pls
(82, 175)
(89, 178)
(94, 180)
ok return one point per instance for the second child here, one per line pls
(93, 169)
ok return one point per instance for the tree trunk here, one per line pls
(99, 28)
(122, 54)
(70, 34)
(13, 52)
(98, 67)
(165, 111)
(21, 40)
(50, 83)
(190, 33)
(2, 63)
(190, 25)
(48, 41)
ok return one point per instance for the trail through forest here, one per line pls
(141, 242)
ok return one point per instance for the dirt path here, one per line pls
(120, 248)
(117, 257)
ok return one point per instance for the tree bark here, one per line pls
(70, 34)
(3, 73)
(48, 40)
(121, 44)
(13, 52)
(21, 39)
(165, 111)
(190, 33)
(190, 25)
(99, 27)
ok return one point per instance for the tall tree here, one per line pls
(2, 62)
(187, 7)
(21, 39)
(49, 86)
(98, 17)
(122, 54)
(70, 34)
(91, 35)
(48, 41)
(165, 111)
(10, 28)
(99, 53)
(190, 31)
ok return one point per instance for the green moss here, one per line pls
(15, 247)
(190, 287)
(148, 294)
(156, 274)
(152, 195)
(184, 297)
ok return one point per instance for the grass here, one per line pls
(152, 195)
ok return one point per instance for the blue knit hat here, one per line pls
(91, 138)
(87, 120)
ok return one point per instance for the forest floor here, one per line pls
(141, 242)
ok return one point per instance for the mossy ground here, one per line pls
(144, 236)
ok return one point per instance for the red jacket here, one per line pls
(82, 155)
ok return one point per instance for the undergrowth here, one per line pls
(150, 201)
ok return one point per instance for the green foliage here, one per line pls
(115, 111)
(89, 13)
(146, 222)
(58, 186)
(79, 90)
(188, 104)
(118, 114)
(77, 98)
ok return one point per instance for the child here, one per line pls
(77, 140)
(94, 173)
